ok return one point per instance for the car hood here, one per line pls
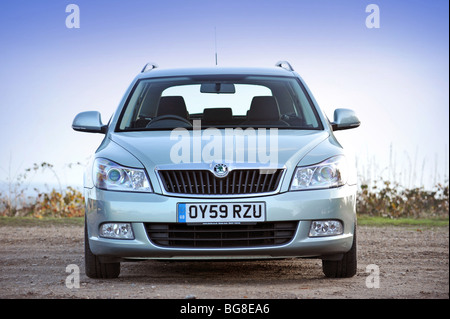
(203, 149)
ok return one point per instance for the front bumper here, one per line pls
(302, 206)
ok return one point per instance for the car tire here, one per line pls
(344, 268)
(93, 267)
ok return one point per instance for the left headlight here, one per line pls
(109, 175)
(329, 173)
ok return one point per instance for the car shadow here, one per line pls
(223, 272)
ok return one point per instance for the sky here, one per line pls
(395, 77)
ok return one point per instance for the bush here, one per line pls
(55, 204)
(68, 203)
(393, 200)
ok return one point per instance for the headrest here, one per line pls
(215, 115)
(172, 105)
(264, 108)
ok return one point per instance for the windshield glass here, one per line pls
(251, 101)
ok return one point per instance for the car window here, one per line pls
(239, 101)
(255, 101)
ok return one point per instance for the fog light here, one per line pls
(326, 228)
(116, 231)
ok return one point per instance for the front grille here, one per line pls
(221, 236)
(203, 182)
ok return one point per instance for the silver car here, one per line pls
(219, 163)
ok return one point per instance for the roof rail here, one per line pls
(149, 66)
(285, 65)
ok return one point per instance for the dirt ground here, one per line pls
(412, 263)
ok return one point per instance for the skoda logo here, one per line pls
(220, 170)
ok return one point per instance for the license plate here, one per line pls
(221, 213)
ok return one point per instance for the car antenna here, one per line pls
(215, 43)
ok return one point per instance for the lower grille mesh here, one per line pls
(221, 236)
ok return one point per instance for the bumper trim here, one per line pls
(300, 246)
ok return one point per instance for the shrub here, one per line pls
(54, 204)
(393, 200)
(66, 202)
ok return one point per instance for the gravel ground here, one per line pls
(412, 263)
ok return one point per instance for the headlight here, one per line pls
(111, 176)
(329, 173)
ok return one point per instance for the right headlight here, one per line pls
(329, 173)
(109, 175)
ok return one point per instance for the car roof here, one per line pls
(205, 71)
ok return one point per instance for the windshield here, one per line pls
(251, 101)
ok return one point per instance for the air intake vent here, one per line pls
(221, 236)
(203, 182)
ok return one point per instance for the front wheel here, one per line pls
(344, 268)
(94, 268)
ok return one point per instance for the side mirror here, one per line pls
(344, 119)
(90, 122)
